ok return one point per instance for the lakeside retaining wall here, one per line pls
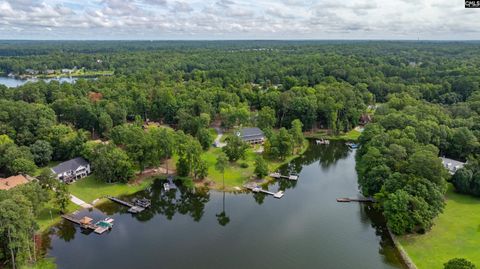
(403, 254)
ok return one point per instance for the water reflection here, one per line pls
(183, 201)
(222, 217)
(307, 228)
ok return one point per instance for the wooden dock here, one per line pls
(258, 189)
(86, 225)
(132, 208)
(360, 200)
(289, 177)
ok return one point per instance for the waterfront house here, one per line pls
(13, 181)
(452, 165)
(72, 170)
(252, 135)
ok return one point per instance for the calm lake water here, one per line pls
(15, 82)
(307, 228)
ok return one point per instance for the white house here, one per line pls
(72, 170)
(452, 165)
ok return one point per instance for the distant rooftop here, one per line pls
(13, 181)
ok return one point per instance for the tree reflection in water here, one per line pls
(325, 155)
(222, 217)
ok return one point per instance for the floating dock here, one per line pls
(134, 209)
(289, 177)
(360, 200)
(258, 189)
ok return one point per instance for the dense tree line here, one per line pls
(399, 164)
(430, 93)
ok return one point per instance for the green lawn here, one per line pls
(90, 188)
(235, 175)
(50, 215)
(456, 234)
(352, 135)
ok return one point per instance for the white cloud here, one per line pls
(281, 19)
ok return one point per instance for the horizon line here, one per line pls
(252, 39)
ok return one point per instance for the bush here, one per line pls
(459, 263)
(244, 165)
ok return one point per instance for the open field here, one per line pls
(456, 234)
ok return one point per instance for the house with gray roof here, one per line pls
(252, 135)
(452, 165)
(72, 170)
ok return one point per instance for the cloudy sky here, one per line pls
(238, 19)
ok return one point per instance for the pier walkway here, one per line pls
(257, 189)
(289, 177)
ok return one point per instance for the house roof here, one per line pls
(451, 161)
(13, 181)
(451, 164)
(251, 133)
(70, 165)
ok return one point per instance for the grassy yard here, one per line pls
(235, 174)
(50, 215)
(352, 135)
(456, 234)
(90, 188)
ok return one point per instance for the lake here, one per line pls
(307, 228)
(15, 82)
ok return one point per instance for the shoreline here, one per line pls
(405, 258)
(213, 185)
(203, 184)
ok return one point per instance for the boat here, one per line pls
(352, 145)
(344, 200)
(106, 223)
(144, 202)
(166, 186)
